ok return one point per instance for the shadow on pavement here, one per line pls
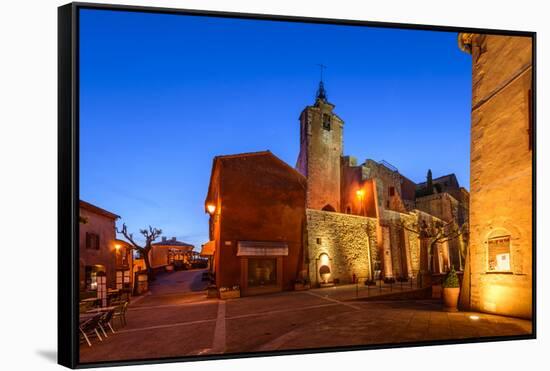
(198, 284)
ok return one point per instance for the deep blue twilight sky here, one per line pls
(161, 95)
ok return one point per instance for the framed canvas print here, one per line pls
(237, 185)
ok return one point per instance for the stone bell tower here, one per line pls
(321, 152)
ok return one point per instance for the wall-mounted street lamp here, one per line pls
(211, 208)
(361, 194)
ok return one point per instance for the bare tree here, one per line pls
(436, 232)
(150, 234)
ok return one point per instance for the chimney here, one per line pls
(163, 239)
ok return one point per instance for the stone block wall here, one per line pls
(501, 172)
(384, 178)
(440, 205)
(348, 240)
(404, 245)
(320, 155)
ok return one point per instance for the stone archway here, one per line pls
(324, 270)
(328, 207)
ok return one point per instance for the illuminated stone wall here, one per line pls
(320, 155)
(445, 207)
(384, 178)
(347, 240)
(403, 255)
(501, 173)
(440, 205)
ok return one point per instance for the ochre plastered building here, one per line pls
(257, 221)
(100, 251)
(167, 251)
(499, 272)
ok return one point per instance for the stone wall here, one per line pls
(352, 183)
(440, 205)
(348, 241)
(404, 245)
(407, 256)
(385, 179)
(320, 155)
(501, 172)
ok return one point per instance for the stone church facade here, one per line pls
(356, 213)
(328, 220)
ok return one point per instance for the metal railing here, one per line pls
(365, 287)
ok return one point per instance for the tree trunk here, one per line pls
(150, 272)
(431, 259)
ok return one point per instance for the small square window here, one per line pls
(318, 241)
(391, 191)
(498, 254)
(92, 241)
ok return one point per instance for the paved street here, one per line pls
(176, 319)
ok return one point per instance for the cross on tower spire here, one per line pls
(321, 92)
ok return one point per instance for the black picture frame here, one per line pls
(68, 179)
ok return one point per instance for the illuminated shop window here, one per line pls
(498, 254)
(91, 272)
(262, 272)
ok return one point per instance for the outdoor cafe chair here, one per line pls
(89, 328)
(114, 297)
(120, 313)
(105, 321)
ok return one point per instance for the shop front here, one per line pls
(261, 266)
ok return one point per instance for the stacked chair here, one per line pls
(99, 325)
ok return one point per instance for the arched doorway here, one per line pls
(328, 207)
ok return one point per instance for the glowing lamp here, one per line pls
(211, 208)
(473, 317)
(360, 193)
(117, 247)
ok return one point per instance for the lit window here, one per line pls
(498, 254)
(262, 272)
(91, 272)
